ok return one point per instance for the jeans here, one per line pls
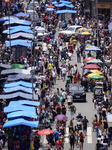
(97, 130)
(72, 115)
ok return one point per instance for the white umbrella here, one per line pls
(95, 61)
(92, 48)
(40, 28)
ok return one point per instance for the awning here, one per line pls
(13, 108)
(19, 66)
(21, 121)
(18, 30)
(22, 114)
(63, 4)
(17, 88)
(6, 66)
(12, 71)
(65, 11)
(23, 83)
(18, 21)
(19, 94)
(24, 102)
(21, 35)
(16, 77)
(21, 14)
(21, 42)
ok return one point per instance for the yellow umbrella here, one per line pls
(91, 74)
(85, 33)
(87, 46)
(82, 29)
(96, 72)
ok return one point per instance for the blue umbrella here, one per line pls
(21, 14)
(50, 9)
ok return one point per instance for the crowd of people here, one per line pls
(55, 65)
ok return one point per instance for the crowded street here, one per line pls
(55, 75)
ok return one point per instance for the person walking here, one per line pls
(81, 137)
(72, 140)
(85, 124)
(72, 111)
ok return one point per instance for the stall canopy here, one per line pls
(12, 71)
(21, 121)
(26, 43)
(23, 83)
(17, 88)
(21, 14)
(22, 114)
(21, 35)
(65, 11)
(6, 18)
(11, 108)
(19, 66)
(16, 77)
(18, 21)
(6, 66)
(24, 102)
(18, 27)
(18, 94)
(62, 1)
(18, 30)
(64, 4)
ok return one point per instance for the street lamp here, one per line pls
(110, 29)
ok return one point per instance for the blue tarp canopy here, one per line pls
(63, 4)
(12, 71)
(16, 77)
(26, 43)
(12, 31)
(18, 94)
(65, 11)
(21, 14)
(23, 83)
(20, 35)
(22, 114)
(93, 48)
(7, 18)
(61, 1)
(20, 27)
(21, 121)
(17, 88)
(13, 108)
(24, 102)
(18, 21)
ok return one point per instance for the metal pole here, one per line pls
(111, 67)
(97, 27)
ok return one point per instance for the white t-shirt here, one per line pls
(64, 94)
(63, 70)
(69, 97)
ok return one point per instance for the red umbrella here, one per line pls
(91, 66)
(45, 132)
(50, 6)
(88, 59)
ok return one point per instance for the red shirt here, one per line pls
(58, 144)
(70, 47)
(47, 39)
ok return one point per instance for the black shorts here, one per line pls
(69, 103)
(72, 143)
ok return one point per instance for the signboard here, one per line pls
(103, 5)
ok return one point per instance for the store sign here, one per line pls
(103, 6)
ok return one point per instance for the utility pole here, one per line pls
(97, 25)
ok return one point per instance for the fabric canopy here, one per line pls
(21, 121)
(6, 66)
(18, 30)
(64, 4)
(23, 83)
(92, 48)
(19, 94)
(17, 88)
(95, 61)
(65, 11)
(19, 66)
(22, 114)
(21, 35)
(18, 21)
(26, 43)
(18, 27)
(24, 102)
(16, 77)
(12, 108)
(21, 14)
(91, 66)
(50, 9)
(12, 71)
